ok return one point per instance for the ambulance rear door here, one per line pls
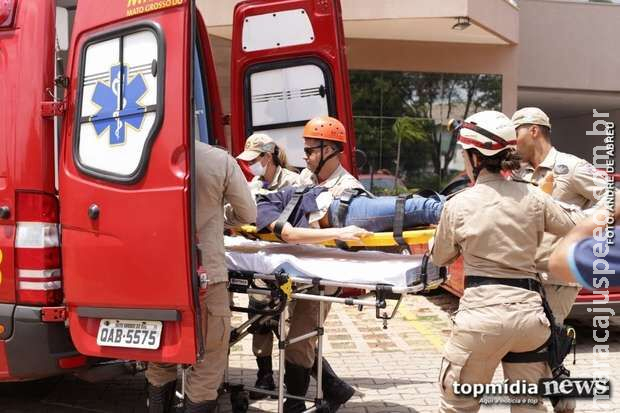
(288, 66)
(125, 189)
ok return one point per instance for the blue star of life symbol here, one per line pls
(119, 105)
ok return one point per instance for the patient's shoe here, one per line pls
(456, 185)
(264, 377)
(429, 193)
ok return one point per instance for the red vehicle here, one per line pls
(381, 180)
(97, 248)
(585, 299)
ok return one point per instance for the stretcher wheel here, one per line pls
(240, 401)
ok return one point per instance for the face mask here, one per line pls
(257, 169)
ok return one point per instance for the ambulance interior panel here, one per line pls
(283, 100)
(276, 30)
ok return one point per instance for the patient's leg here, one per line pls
(377, 214)
(422, 211)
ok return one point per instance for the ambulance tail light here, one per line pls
(37, 249)
(7, 12)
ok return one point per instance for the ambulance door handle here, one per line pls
(5, 212)
(93, 211)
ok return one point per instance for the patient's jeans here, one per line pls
(377, 214)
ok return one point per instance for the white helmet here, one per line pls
(489, 131)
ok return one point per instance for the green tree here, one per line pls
(401, 118)
(410, 130)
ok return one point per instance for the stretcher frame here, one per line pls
(282, 288)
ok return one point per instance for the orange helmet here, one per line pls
(325, 128)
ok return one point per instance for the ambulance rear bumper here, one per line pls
(33, 349)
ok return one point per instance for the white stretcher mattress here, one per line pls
(310, 261)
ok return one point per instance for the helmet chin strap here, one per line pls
(322, 161)
(475, 168)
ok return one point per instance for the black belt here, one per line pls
(525, 283)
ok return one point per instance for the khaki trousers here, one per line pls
(561, 299)
(482, 335)
(304, 318)
(262, 344)
(203, 378)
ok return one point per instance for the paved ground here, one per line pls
(393, 370)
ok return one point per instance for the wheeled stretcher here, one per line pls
(283, 272)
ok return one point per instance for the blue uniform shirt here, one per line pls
(270, 206)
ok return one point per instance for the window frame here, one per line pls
(140, 170)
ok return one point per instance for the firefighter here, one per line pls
(219, 180)
(324, 139)
(567, 178)
(496, 226)
(268, 164)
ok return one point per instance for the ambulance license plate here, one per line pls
(129, 333)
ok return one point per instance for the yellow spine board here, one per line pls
(378, 239)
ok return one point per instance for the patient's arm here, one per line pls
(295, 235)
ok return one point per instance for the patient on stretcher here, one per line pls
(316, 216)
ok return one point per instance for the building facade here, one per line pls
(554, 54)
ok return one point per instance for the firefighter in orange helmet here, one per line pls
(324, 140)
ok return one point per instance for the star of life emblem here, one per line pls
(119, 102)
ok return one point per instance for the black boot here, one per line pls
(297, 380)
(161, 398)
(209, 406)
(264, 377)
(336, 392)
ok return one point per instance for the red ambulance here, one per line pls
(97, 248)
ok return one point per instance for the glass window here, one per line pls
(119, 100)
(283, 99)
(201, 125)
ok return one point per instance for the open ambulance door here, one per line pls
(125, 190)
(288, 66)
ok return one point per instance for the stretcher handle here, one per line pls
(385, 316)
